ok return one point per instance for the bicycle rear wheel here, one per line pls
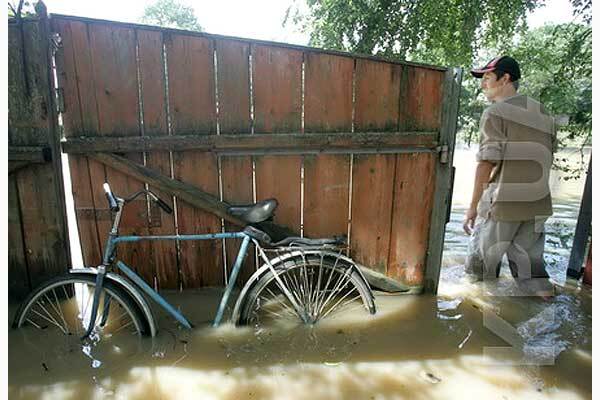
(321, 287)
(63, 305)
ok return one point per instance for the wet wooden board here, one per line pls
(201, 261)
(421, 99)
(377, 96)
(114, 67)
(18, 281)
(377, 91)
(152, 80)
(233, 82)
(372, 200)
(236, 175)
(327, 108)
(277, 91)
(74, 67)
(279, 177)
(37, 205)
(414, 188)
(192, 110)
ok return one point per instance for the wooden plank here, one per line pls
(18, 281)
(259, 142)
(113, 52)
(236, 175)
(193, 111)
(372, 200)
(328, 108)
(413, 200)
(37, 154)
(277, 90)
(42, 225)
(326, 189)
(257, 42)
(443, 174)
(185, 191)
(74, 72)
(422, 97)
(201, 261)
(233, 82)
(377, 89)
(279, 177)
(377, 96)
(152, 85)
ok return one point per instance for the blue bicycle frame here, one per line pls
(114, 240)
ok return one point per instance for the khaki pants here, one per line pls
(523, 244)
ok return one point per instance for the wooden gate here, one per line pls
(37, 229)
(348, 145)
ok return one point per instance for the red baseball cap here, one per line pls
(504, 63)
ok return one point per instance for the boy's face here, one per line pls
(491, 86)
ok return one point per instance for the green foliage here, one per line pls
(446, 32)
(21, 9)
(171, 14)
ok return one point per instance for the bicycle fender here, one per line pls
(293, 254)
(129, 289)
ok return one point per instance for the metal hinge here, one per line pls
(60, 100)
(443, 152)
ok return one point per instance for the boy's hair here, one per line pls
(499, 74)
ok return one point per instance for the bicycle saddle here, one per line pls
(254, 213)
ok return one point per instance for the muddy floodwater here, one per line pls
(470, 341)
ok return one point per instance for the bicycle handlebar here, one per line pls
(114, 204)
(112, 201)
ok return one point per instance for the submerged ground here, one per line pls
(466, 342)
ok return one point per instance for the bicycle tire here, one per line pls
(330, 267)
(56, 304)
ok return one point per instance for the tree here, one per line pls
(171, 14)
(448, 32)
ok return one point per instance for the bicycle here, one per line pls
(308, 279)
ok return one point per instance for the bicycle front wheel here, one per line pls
(63, 306)
(319, 287)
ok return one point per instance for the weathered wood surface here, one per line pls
(413, 198)
(194, 195)
(377, 90)
(233, 90)
(224, 143)
(277, 91)
(74, 73)
(36, 154)
(192, 102)
(328, 109)
(443, 174)
(247, 130)
(118, 108)
(38, 239)
(154, 118)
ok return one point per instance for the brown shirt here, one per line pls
(519, 136)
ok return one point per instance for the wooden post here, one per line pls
(38, 238)
(443, 177)
(582, 231)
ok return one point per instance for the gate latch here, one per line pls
(443, 151)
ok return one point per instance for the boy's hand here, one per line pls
(469, 221)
